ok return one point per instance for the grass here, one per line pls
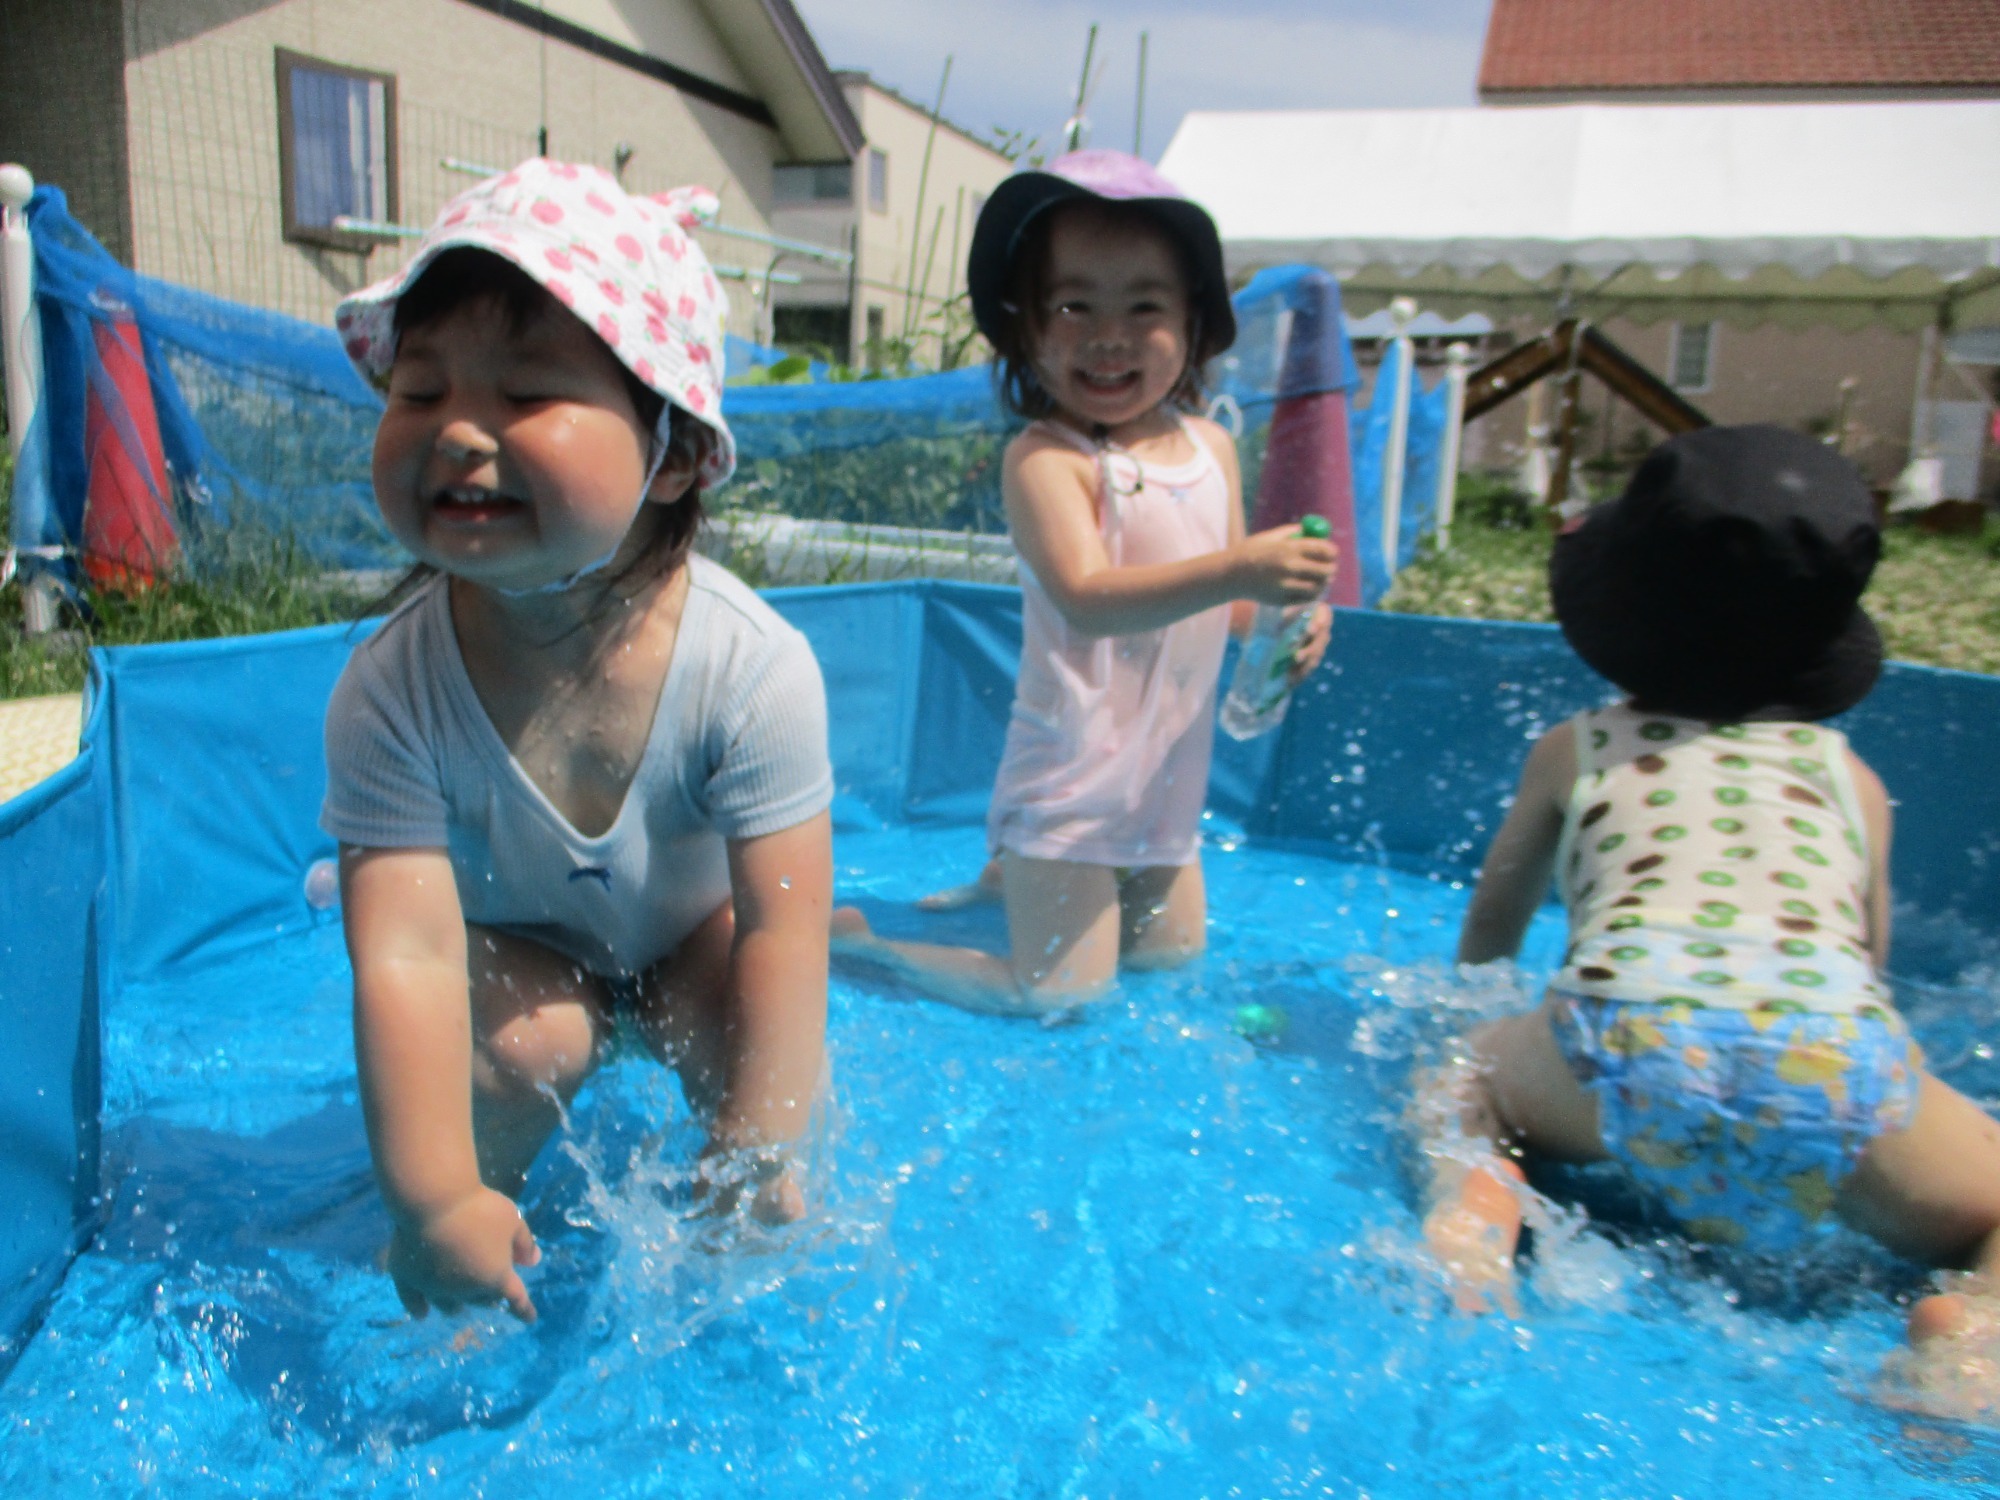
(1936, 599)
(245, 584)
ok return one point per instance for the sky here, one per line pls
(1016, 63)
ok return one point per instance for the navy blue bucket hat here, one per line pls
(1106, 177)
(1727, 579)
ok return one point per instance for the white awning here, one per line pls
(1802, 213)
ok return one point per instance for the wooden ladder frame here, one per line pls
(1566, 351)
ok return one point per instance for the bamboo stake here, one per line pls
(923, 185)
(1082, 91)
(1139, 108)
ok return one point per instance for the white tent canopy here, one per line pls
(1820, 213)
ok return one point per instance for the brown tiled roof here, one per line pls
(1589, 45)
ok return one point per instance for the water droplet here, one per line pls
(322, 884)
(784, 882)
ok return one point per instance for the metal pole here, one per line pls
(1457, 368)
(1402, 312)
(21, 348)
(855, 295)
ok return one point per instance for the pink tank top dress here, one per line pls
(1106, 759)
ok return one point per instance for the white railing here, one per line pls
(1457, 370)
(1402, 313)
(775, 549)
(21, 348)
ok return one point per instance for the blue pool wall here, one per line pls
(182, 833)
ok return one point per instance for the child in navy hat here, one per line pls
(1719, 1026)
(1101, 288)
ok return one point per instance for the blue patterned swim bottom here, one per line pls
(1742, 1124)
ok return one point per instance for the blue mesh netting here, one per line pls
(264, 423)
(266, 428)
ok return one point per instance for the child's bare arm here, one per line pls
(1051, 513)
(456, 1239)
(1518, 865)
(782, 885)
(1878, 822)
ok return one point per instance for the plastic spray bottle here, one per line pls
(1261, 690)
(1307, 478)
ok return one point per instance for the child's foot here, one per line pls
(1952, 1367)
(849, 929)
(1473, 1231)
(958, 897)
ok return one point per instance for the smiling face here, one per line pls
(510, 453)
(1111, 333)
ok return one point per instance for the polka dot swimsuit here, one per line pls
(1716, 866)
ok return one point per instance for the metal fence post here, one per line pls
(1402, 312)
(21, 348)
(1457, 369)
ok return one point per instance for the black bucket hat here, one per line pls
(1727, 579)
(1103, 176)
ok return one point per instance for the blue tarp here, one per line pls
(267, 429)
(184, 832)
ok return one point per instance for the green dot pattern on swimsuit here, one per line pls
(1746, 794)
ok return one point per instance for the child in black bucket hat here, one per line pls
(1719, 1025)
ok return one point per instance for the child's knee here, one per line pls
(551, 1047)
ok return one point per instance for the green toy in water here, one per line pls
(1259, 1023)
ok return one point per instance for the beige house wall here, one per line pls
(72, 51)
(893, 251)
(203, 132)
(1786, 376)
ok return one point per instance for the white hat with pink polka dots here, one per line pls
(624, 265)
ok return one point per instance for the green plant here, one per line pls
(244, 583)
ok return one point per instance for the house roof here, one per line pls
(861, 78)
(1608, 46)
(771, 44)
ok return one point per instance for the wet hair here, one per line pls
(1024, 318)
(464, 276)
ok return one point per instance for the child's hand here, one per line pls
(1312, 645)
(465, 1253)
(1282, 566)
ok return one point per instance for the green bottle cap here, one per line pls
(1315, 526)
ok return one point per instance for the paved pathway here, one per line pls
(37, 738)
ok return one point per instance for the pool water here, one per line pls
(1133, 1254)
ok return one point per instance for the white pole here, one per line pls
(1402, 312)
(21, 347)
(1457, 370)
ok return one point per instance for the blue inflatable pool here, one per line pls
(1135, 1254)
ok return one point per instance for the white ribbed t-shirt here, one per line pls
(737, 750)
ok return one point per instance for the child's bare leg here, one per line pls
(1163, 915)
(956, 897)
(1932, 1192)
(683, 1012)
(1062, 926)
(536, 1021)
(1516, 1091)
(683, 1015)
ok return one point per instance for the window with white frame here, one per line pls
(1691, 357)
(878, 180)
(337, 149)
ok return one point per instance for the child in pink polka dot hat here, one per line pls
(625, 266)
(579, 770)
